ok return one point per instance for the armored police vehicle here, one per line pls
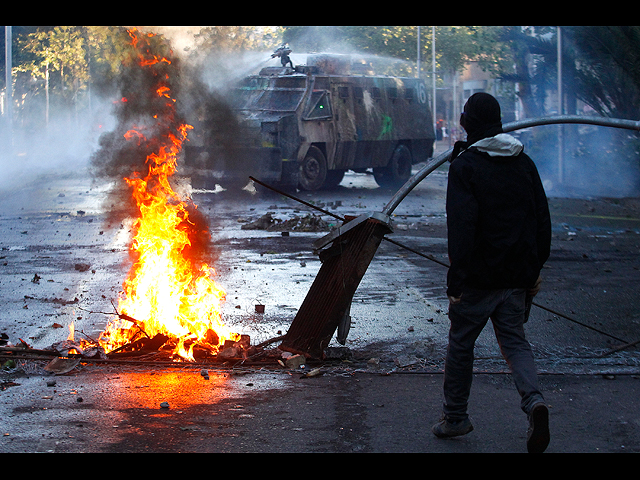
(305, 126)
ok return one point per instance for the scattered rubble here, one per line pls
(405, 361)
(308, 223)
(82, 267)
(313, 373)
(67, 356)
(295, 361)
(60, 365)
(159, 348)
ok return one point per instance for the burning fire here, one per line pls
(168, 291)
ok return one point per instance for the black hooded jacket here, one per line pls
(499, 227)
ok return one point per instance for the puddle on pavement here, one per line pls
(177, 388)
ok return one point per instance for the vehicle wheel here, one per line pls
(397, 172)
(313, 170)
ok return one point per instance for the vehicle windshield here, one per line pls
(259, 93)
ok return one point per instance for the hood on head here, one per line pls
(481, 117)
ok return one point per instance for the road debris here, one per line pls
(61, 366)
(316, 372)
(307, 223)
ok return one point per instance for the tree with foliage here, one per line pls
(605, 69)
(231, 38)
(60, 50)
(606, 66)
(105, 46)
(523, 56)
(454, 45)
(64, 62)
(600, 68)
(601, 65)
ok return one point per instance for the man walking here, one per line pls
(499, 234)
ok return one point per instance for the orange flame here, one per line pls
(166, 291)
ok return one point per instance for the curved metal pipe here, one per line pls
(436, 162)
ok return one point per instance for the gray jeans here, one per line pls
(468, 318)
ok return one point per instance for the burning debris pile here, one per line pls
(65, 356)
(170, 299)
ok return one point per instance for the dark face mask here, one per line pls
(481, 117)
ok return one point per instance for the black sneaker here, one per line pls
(538, 433)
(448, 429)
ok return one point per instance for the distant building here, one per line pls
(456, 91)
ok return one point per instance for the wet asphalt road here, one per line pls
(61, 259)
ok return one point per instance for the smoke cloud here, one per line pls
(33, 148)
(595, 161)
(146, 139)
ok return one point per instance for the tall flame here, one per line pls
(168, 290)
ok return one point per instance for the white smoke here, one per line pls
(595, 162)
(62, 145)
